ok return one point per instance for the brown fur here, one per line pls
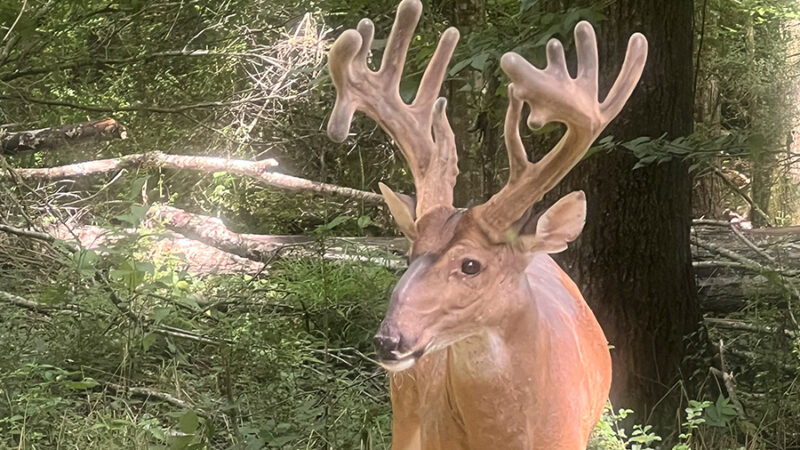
(528, 366)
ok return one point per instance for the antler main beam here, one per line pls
(420, 129)
(554, 96)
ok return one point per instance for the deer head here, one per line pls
(465, 267)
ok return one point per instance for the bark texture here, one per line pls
(466, 15)
(55, 137)
(633, 260)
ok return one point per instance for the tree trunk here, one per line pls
(466, 15)
(633, 260)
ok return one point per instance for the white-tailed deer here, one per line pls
(489, 343)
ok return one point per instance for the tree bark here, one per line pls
(465, 15)
(51, 138)
(633, 260)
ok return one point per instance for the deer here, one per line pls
(487, 342)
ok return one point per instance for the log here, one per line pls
(212, 231)
(196, 257)
(206, 246)
(56, 137)
(734, 267)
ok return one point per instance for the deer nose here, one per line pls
(388, 346)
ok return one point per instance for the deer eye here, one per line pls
(470, 267)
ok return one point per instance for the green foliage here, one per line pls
(610, 433)
(280, 362)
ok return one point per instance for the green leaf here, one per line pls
(148, 340)
(478, 62)
(364, 221)
(189, 422)
(86, 383)
(136, 215)
(136, 188)
(54, 294)
(459, 66)
(85, 261)
(180, 442)
(334, 223)
(527, 4)
(159, 314)
(132, 274)
(189, 302)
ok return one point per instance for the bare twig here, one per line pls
(742, 194)
(728, 381)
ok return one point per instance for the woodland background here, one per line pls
(187, 261)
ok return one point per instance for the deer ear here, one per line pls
(558, 226)
(402, 208)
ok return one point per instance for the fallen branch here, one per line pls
(753, 205)
(743, 260)
(738, 325)
(148, 393)
(37, 307)
(152, 160)
(50, 138)
(211, 231)
(37, 235)
(258, 170)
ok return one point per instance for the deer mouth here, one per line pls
(401, 362)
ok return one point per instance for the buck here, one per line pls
(488, 343)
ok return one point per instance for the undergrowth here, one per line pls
(274, 362)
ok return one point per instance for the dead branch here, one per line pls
(37, 307)
(148, 393)
(39, 236)
(728, 380)
(258, 170)
(745, 261)
(742, 194)
(738, 325)
(211, 231)
(54, 137)
(150, 160)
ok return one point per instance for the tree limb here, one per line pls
(49, 138)
(150, 393)
(36, 307)
(258, 170)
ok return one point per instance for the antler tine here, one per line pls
(394, 57)
(421, 129)
(554, 96)
(517, 156)
(635, 58)
(436, 71)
